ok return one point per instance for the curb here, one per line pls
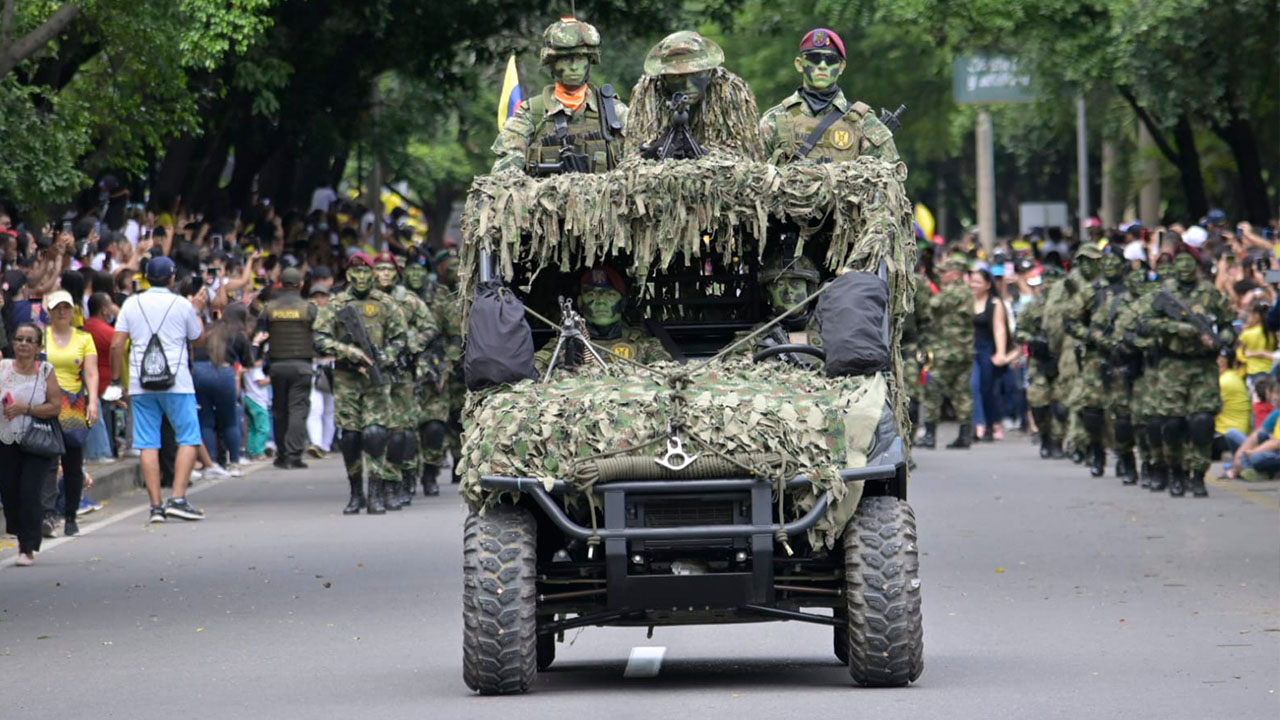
(115, 478)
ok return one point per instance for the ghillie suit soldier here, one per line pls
(721, 110)
(441, 404)
(411, 367)
(817, 122)
(1191, 322)
(952, 349)
(572, 125)
(601, 298)
(364, 330)
(1103, 392)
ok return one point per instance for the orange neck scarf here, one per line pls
(571, 99)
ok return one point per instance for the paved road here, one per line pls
(1047, 594)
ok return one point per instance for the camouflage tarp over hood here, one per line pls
(817, 425)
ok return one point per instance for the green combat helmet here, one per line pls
(783, 267)
(683, 52)
(570, 36)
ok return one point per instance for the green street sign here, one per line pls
(983, 79)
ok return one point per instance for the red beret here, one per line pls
(602, 276)
(823, 39)
(359, 259)
(385, 257)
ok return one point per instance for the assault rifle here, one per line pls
(1039, 347)
(356, 333)
(677, 141)
(892, 120)
(1167, 304)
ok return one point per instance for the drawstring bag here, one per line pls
(853, 311)
(156, 375)
(499, 342)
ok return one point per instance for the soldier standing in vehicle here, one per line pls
(817, 122)
(402, 448)
(288, 318)
(572, 125)
(952, 350)
(1185, 398)
(362, 406)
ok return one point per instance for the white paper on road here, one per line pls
(645, 662)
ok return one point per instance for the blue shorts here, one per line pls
(180, 408)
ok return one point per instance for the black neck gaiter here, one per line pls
(819, 100)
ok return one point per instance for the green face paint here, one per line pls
(571, 70)
(386, 274)
(1088, 267)
(361, 279)
(1184, 269)
(693, 85)
(821, 69)
(787, 292)
(447, 273)
(601, 306)
(415, 276)
(1112, 267)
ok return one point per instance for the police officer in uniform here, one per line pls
(572, 113)
(288, 319)
(817, 122)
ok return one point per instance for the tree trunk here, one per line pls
(1189, 169)
(1238, 135)
(17, 50)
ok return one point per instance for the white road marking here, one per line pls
(645, 662)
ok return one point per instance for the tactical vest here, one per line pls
(585, 129)
(843, 141)
(289, 319)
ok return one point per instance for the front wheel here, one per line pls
(882, 594)
(499, 601)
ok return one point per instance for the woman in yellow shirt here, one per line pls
(1257, 346)
(75, 359)
(1235, 413)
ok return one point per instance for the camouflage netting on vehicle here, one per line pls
(815, 425)
(726, 119)
(657, 213)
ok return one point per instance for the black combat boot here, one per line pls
(408, 486)
(1129, 471)
(377, 501)
(964, 439)
(429, 475)
(1146, 474)
(1195, 483)
(1177, 482)
(1046, 444)
(391, 494)
(1159, 478)
(1077, 456)
(930, 438)
(1055, 450)
(453, 470)
(357, 496)
(1097, 460)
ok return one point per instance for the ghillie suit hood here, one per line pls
(726, 119)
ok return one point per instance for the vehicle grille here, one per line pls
(684, 513)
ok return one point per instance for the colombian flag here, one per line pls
(510, 98)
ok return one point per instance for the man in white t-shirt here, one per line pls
(175, 321)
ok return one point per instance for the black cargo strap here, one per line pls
(609, 122)
(812, 141)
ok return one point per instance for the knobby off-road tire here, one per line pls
(882, 594)
(499, 602)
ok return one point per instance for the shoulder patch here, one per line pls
(861, 108)
(876, 133)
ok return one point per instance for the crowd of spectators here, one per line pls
(68, 280)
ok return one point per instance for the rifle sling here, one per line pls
(812, 141)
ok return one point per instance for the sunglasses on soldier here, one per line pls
(822, 57)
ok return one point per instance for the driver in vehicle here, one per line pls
(785, 283)
(601, 295)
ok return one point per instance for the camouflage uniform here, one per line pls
(1100, 386)
(403, 423)
(951, 346)
(361, 410)
(1062, 307)
(532, 135)
(1133, 351)
(915, 328)
(1185, 398)
(441, 412)
(859, 132)
(1033, 332)
(776, 278)
(631, 344)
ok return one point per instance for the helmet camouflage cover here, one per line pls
(683, 52)
(785, 267)
(570, 36)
